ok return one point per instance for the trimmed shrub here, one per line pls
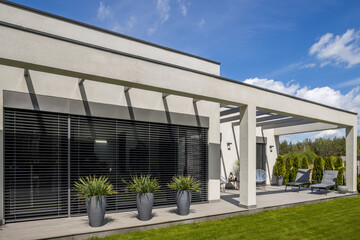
(287, 170)
(304, 163)
(295, 168)
(338, 163)
(358, 183)
(279, 167)
(318, 169)
(340, 180)
(328, 164)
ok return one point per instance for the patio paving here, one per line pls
(78, 228)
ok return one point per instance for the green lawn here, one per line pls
(335, 219)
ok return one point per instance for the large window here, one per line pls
(35, 165)
(120, 149)
(45, 153)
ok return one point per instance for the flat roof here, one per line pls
(104, 30)
(140, 57)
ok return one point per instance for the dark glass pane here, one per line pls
(35, 164)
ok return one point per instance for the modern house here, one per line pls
(79, 100)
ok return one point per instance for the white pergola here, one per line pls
(50, 50)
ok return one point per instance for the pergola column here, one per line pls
(247, 156)
(351, 161)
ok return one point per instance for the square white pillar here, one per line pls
(247, 148)
(351, 159)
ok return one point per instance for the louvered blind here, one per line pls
(42, 160)
(35, 164)
(120, 149)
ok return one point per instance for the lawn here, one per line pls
(335, 219)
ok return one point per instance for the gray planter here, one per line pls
(280, 181)
(145, 202)
(183, 200)
(342, 189)
(96, 207)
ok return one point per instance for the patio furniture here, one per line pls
(328, 181)
(260, 177)
(223, 182)
(302, 179)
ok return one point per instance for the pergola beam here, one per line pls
(317, 126)
(272, 117)
(279, 122)
(286, 124)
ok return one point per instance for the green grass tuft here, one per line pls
(335, 219)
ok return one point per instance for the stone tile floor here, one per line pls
(78, 227)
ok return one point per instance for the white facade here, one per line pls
(58, 52)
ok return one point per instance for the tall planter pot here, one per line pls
(96, 207)
(183, 201)
(145, 202)
(280, 181)
(342, 189)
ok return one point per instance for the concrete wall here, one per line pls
(271, 154)
(12, 79)
(40, 22)
(48, 54)
(230, 135)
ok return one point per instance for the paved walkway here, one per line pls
(78, 227)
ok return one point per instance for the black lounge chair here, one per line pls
(328, 181)
(302, 179)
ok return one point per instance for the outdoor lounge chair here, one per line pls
(223, 182)
(260, 176)
(328, 181)
(302, 179)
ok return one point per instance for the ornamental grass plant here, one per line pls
(142, 184)
(92, 186)
(187, 183)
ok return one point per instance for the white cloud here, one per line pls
(289, 88)
(329, 134)
(338, 50)
(183, 8)
(163, 8)
(325, 95)
(132, 22)
(309, 65)
(151, 30)
(352, 82)
(103, 12)
(128, 26)
(201, 22)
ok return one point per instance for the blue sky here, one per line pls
(307, 48)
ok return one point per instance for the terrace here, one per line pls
(272, 197)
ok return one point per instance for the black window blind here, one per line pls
(37, 163)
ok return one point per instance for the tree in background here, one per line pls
(328, 164)
(322, 147)
(338, 163)
(279, 167)
(287, 170)
(340, 180)
(304, 163)
(295, 168)
(318, 169)
(308, 154)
